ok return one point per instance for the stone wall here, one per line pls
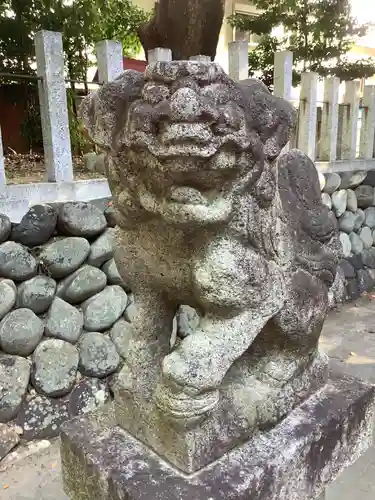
(62, 304)
(351, 196)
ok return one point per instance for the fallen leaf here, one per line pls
(6, 486)
(353, 354)
(53, 465)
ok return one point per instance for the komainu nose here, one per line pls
(186, 105)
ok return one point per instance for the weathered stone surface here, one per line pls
(64, 321)
(360, 219)
(332, 184)
(326, 200)
(368, 257)
(16, 262)
(8, 440)
(111, 271)
(345, 244)
(121, 333)
(36, 293)
(223, 227)
(352, 179)
(366, 236)
(347, 268)
(87, 396)
(347, 222)
(339, 200)
(98, 356)
(77, 218)
(20, 332)
(370, 217)
(41, 417)
(14, 377)
(36, 227)
(337, 292)
(82, 284)
(54, 368)
(5, 227)
(370, 178)
(281, 464)
(351, 202)
(102, 249)
(187, 321)
(7, 298)
(101, 311)
(64, 256)
(356, 242)
(365, 195)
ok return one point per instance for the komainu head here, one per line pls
(185, 139)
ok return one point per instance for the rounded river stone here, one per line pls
(357, 243)
(7, 298)
(366, 236)
(20, 332)
(82, 284)
(55, 365)
(365, 196)
(98, 356)
(64, 321)
(347, 222)
(14, 380)
(64, 256)
(345, 244)
(120, 334)
(87, 395)
(102, 248)
(113, 276)
(36, 293)
(101, 311)
(16, 262)
(5, 227)
(77, 218)
(36, 226)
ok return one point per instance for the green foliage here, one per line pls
(318, 32)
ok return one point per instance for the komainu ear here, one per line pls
(272, 118)
(104, 112)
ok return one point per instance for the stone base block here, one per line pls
(295, 460)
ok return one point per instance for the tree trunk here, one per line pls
(187, 27)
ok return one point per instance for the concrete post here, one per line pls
(282, 74)
(159, 54)
(366, 147)
(307, 114)
(53, 106)
(3, 181)
(350, 120)
(238, 53)
(330, 119)
(200, 58)
(110, 60)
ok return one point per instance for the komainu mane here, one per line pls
(210, 214)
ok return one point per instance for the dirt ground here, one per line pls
(28, 168)
(349, 339)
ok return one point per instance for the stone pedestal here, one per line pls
(295, 460)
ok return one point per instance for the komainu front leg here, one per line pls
(150, 334)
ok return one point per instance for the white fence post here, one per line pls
(53, 106)
(366, 147)
(238, 54)
(159, 54)
(200, 58)
(350, 120)
(330, 119)
(3, 180)
(307, 114)
(282, 74)
(110, 60)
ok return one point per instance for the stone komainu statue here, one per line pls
(211, 215)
